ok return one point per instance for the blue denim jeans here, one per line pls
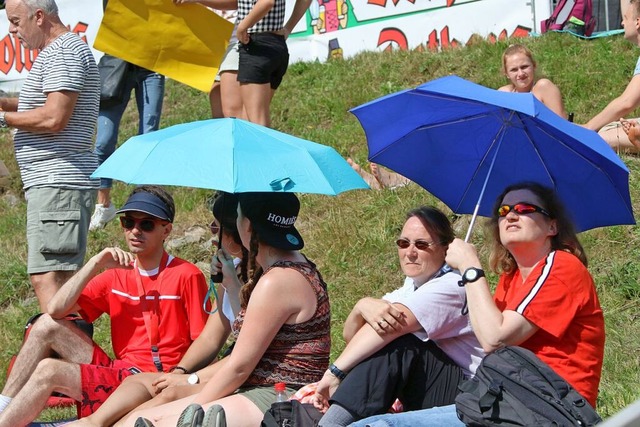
(149, 92)
(443, 416)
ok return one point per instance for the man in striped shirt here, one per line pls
(55, 119)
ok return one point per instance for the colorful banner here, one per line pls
(343, 28)
(151, 32)
(81, 16)
(185, 43)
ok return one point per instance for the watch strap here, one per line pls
(463, 281)
(337, 372)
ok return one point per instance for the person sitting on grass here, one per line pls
(415, 344)
(609, 121)
(519, 67)
(142, 290)
(545, 300)
(151, 389)
(282, 332)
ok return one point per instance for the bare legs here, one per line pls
(379, 177)
(257, 101)
(615, 135)
(239, 411)
(45, 285)
(35, 374)
(225, 97)
(134, 390)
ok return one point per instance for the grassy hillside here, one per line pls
(351, 236)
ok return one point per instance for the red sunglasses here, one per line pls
(521, 208)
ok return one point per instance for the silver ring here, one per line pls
(380, 323)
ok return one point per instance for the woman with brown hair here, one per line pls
(282, 331)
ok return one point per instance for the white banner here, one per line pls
(342, 28)
(339, 28)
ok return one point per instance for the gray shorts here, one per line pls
(229, 60)
(263, 396)
(57, 228)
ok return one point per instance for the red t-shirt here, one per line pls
(559, 297)
(180, 294)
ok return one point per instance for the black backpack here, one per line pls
(512, 387)
(291, 413)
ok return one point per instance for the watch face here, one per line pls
(193, 379)
(471, 274)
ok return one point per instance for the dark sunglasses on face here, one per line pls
(421, 245)
(214, 227)
(521, 208)
(145, 224)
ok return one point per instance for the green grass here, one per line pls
(350, 236)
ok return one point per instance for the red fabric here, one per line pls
(115, 293)
(99, 379)
(559, 297)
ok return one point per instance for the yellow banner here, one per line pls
(184, 42)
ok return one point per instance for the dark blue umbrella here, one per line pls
(465, 143)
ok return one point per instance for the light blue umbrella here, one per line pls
(466, 143)
(231, 155)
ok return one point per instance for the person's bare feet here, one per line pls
(370, 179)
(387, 179)
(632, 129)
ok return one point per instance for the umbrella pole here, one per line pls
(484, 186)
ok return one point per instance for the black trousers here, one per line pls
(417, 373)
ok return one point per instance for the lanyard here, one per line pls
(150, 314)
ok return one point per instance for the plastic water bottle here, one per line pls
(281, 393)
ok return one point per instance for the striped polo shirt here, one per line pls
(64, 159)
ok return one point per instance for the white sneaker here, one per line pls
(101, 216)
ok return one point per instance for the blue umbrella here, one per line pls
(465, 143)
(232, 155)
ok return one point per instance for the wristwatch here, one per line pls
(3, 122)
(193, 379)
(470, 275)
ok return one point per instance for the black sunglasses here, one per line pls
(521, 208)
(421, 245)
(145, 224)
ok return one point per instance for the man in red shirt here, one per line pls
(154, 302)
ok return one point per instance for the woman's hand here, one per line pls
(326, 387)
(222, 261)
(241, 32)
(462, 255)
(381, 315)
(171, 379)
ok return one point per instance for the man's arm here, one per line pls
(619, 107)
(65, 300)
(52, 117)
(299, 10)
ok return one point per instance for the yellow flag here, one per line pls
(184, 42)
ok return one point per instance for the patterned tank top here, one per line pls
(299, 353)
